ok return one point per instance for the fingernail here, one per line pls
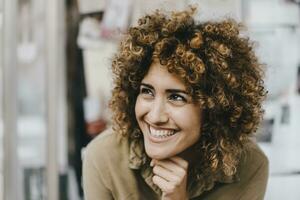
(151, 163)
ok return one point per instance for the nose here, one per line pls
(158, 112)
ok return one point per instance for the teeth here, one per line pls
(161, 133)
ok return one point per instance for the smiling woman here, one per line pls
(186, 100)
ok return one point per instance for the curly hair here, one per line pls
(218, 67)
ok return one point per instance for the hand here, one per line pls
(170, 175)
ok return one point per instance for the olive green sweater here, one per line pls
(115, 169)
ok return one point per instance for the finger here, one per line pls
(163, 184)
(167, 164)
(180, 161)
(172, 167)
(152, 162)
(167, 174)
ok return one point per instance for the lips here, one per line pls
(161, 133)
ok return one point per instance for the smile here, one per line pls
(160, 133)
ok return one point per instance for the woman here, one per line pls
(186, 101)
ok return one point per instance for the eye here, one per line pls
(177, 98)
(146, 91)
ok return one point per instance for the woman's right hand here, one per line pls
(170, 175)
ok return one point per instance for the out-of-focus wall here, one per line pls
(1, 129)
(218, 9)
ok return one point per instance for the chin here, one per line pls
(158, 155)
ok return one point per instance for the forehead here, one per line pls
(159, 75)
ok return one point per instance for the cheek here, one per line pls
(140, 107)
(137, 108)
(188, 119)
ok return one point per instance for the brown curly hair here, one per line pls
(217, 65)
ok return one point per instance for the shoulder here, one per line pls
(253, 156)
(253, 163)
(106, 166)
(106, 149)
(252, 177)
(108, 138)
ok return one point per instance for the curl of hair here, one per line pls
(217, 65)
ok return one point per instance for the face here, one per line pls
(169, 119)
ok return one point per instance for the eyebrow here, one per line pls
(168, 90)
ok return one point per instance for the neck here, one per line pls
(190, 155)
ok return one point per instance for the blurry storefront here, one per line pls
(33, 155)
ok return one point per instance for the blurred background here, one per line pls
(55, 84)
